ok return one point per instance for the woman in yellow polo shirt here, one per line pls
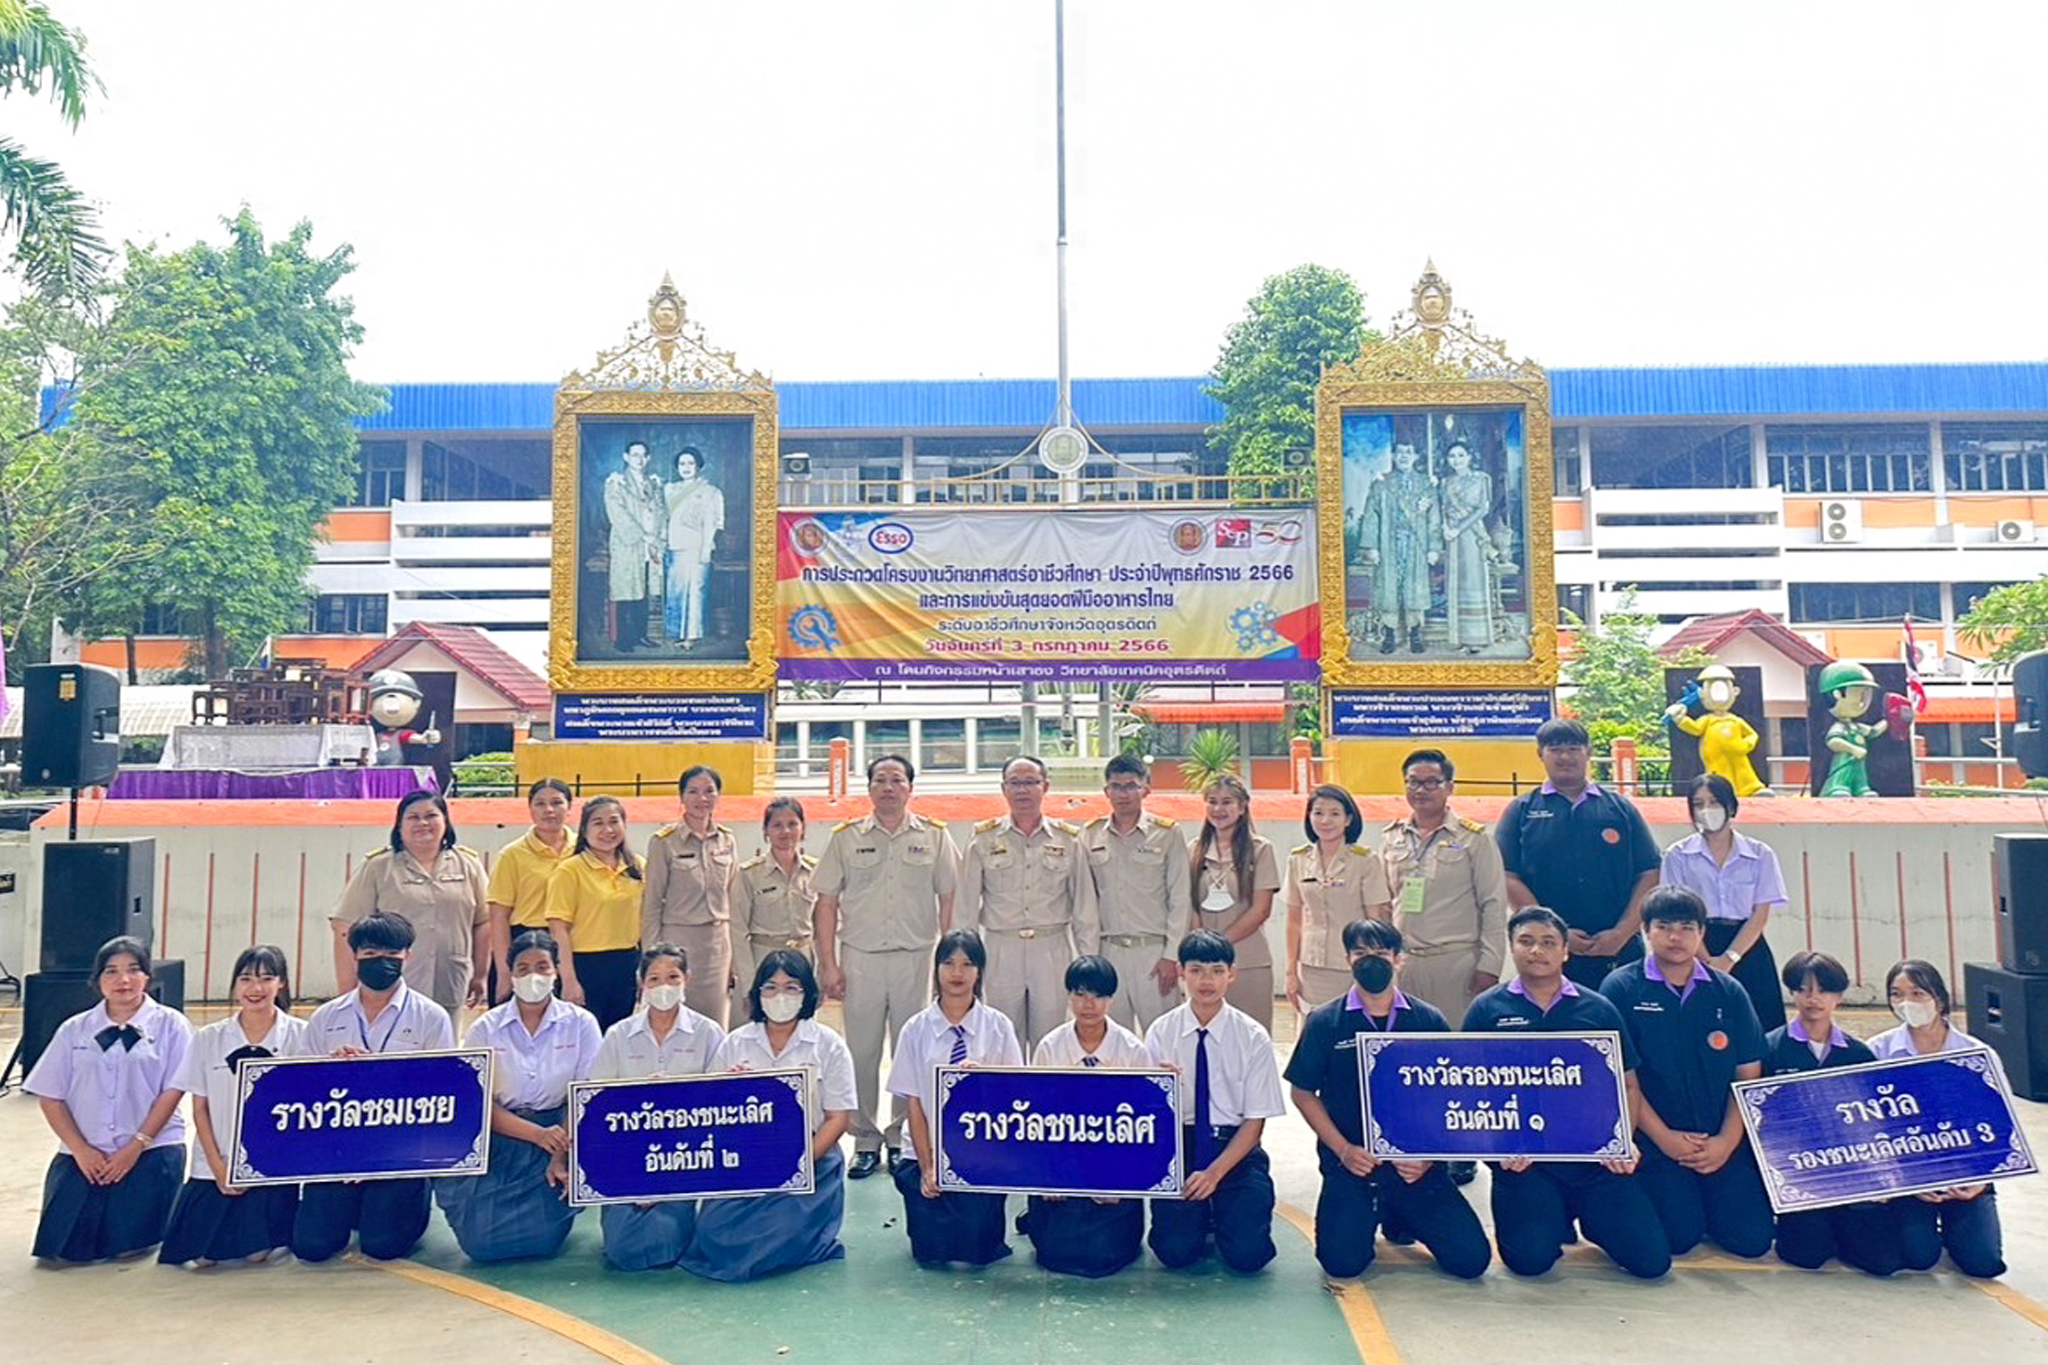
(593, 908)
(518, 892)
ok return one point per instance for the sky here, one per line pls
(866, 190)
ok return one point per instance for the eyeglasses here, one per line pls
(1425, 784)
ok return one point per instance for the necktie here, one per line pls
(1202, 1125)
(959, 1046)
(1091, 1061)
(127, 1035)
(240, 1054)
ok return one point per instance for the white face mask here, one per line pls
(782, 1008)
(1916, 1013)
(1710, 818)
(663, 997)
(533, 987)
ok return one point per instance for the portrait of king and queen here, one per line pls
(1436, 534)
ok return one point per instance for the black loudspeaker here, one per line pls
(2008, 1013)
(2019, 887)
(49, 998)
(70, 725)
(2030, 732)
(94, 890)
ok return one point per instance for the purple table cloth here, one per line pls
(310, 784)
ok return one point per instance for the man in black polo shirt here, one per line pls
(1535, 1202)
(1695, 1032)
(1582, 851)
(1358, 1192)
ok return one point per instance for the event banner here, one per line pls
(1048, 595)
(1883, 1129)
(362, 1118)
(685, 1137)
(1034, 1130)
(1463, 1096)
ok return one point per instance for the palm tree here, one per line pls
(57, 241)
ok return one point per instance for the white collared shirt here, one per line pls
(926, 1044)
(533, 1070)
(110, 1091)
(410, 1023)
(629, 1050)
(1244, 1076)
(1119, 1048)
(1895, 1043)
(208, 1076)
(813, 1046)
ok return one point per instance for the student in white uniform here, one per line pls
(382, 1014)
(107, 1083)
(216, 1220)
(515, 1210)
(1076, 1236)
(956, 1028)
(752, 1236)
(664, 1037)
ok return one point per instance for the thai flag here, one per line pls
(1910, 651)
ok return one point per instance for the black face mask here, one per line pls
(1373, 974)
(379, 973)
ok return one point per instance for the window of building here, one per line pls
(348, 613)
(1671, 457)
(995, 743)
(1568, 478)
(1849, 459)
(485, 471)
(980, 469)
(847, 470)
(1866, 603)
(482, 738)
(1941, 739)
(945, 746)
(786, 754)
(884, 737)
(161, 618)
(1966, 595)
(1995, 457)
(1792, 737)
(1575, 599)
(380, 474)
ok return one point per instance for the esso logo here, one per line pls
(891, 538)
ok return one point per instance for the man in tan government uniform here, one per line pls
(885, 893)
(1139, 863)
(688, 896)
(1450, 891)
(1024, 884)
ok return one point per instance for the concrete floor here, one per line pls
(876, 1303)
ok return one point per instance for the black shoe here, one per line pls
(1463, 1172)
(1415, 644)
(896, 1158)
(1387, 640)
(863, 1165)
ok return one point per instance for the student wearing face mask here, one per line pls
(1741, 883)
(515, 1210)
(1359, 1192)
(1962, 1220)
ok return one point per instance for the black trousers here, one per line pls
(608, 983)
(953, 1227)
(1239, 1215)
(1865, 1236)
(1533, 1212)
(1730, 1205)
(1078, 1236)
(391, 1215)
(1968, 1229)
(1757, 973)
(1589, 972)
(1351, 1208)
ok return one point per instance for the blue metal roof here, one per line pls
(1798, 390)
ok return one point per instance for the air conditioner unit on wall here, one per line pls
(2013, 532)
(1841, 521)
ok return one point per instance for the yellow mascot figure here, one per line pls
(1726, 739)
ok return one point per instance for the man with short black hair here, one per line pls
(1450, 891)
(1139, 864)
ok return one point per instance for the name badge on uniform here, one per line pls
(1414, 889)
(1055, 850)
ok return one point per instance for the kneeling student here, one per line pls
(1536, 1202)
(1082, 1236)
(1359, 1191)
(1229, 1087)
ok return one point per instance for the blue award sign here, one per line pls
(1883, 1129)
(362, 1118)
(1466, 1096)
(687, 1137)
(1034, 1130)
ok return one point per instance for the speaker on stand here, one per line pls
(2008, 1001)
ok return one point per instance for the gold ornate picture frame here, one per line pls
(665, 466)
(1434, 510)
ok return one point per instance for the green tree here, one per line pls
(1211, 754)
(1298, 323)
(57, 245)
(238, 414)
(1616, 676)
(2009, 621)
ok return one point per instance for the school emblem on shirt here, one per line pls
(1612, 836)
(1718, 1041)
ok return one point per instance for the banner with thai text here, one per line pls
(1037, 1130)
(686, 1137)
(1883, 1129)
(362, 1118)
(1048, 594)
(1465, 1096)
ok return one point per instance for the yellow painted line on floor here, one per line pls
(2016, 1301)
(592, 1338)
(1361, 1315)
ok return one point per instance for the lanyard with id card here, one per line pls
(1414, 890)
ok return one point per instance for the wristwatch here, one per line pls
(1733, 957)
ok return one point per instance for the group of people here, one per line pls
(1117, 943)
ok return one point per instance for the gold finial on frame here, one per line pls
(667, 352)
(1432, 341)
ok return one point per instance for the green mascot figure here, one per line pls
(1849, 687)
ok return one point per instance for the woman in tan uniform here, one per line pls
(436, 884)
(1235, 876)
(771, 893)
(1331, 881)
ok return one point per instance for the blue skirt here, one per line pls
(207, 1225)
(86, 1222)
(510, 1213)
(759, 1235)
(652, 1238)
